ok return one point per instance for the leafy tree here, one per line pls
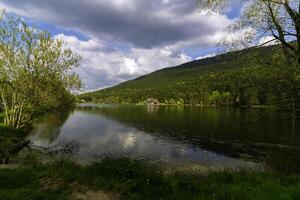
(215, 97)
(180, 101)
(226, 98)
(35, 72)
(172, 102)
(271, 20)
(277, 20)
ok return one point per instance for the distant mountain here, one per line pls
(241, 78)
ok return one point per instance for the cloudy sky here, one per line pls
(122, 39)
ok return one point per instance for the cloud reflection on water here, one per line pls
(100, 136)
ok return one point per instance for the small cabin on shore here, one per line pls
(152, 101)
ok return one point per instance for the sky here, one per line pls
(123, 39)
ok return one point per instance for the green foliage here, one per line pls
(1, 117)
(9, 136)
(228, 79)
(284, 160)
(180, 101)
(138, 180)
(226, 98)
(35, 72)
(215, 97)
(272, 20)
(172, 101)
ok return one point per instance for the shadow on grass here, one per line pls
(11, 142)
(284, 160)
(134, 179)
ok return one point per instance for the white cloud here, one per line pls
(206, 56)
(267, 41)
(101, 68)
(126, 38)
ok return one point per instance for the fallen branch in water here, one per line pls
(61, 148)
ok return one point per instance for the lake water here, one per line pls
(225, 137)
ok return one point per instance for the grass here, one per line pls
(132, 179)
(284, 160)
(9, 136)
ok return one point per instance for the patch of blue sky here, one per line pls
(201, 52)
(55, 30)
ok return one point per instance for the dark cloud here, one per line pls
(124, 38)
(143, 24)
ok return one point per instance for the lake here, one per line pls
(210, 136)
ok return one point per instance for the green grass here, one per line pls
(9, 136)
(284, 160)
(138, 180)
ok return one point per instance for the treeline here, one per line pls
(222, 80)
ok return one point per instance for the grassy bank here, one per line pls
(11, 141)
(10, 136)
(128, 179)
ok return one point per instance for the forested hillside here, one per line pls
(244, 78)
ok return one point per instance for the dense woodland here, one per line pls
(242, 78)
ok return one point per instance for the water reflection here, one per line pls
(174, 134)
(47, 130)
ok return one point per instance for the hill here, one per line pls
(237, 78)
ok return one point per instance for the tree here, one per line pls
(226, 98)
(273, 20)
(36, 72)
(215, 97)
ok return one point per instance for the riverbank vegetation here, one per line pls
(35, 72)
(10, 136)
(36, 77)
(130, 179)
